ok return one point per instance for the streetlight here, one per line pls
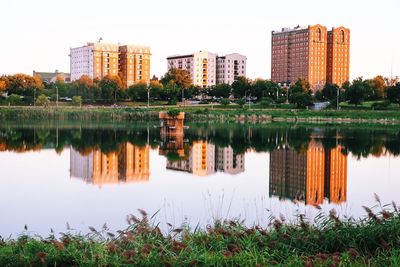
(183, 97)
(337, 99)
(57, 96)
(148, 95)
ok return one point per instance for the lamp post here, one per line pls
(148, 95)
(57, 96)
(183, 98)
(337, 99)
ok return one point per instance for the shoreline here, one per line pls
(201, 114)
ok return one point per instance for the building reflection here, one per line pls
(130, 163)
(309, 176)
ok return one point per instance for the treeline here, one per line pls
(359, 142)
(176, 85)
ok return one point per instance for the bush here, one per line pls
(172, 102)
(42, 100)
(241, 102)
(225, 102)
(380, 105)
(265, 102)
(77, 100)
(173, 112)
(14, 99)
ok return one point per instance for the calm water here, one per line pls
(88, 175)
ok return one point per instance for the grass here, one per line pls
(330, 241)
(197, 113)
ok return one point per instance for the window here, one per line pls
(319, 34)
(342, 36)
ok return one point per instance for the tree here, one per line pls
(77, 100)
(358, 92)
(3, 86)
(180, 77)
(14, 99)
(330, 91)
(378, 86)
(241, 87)
(393, 93)
(300, 93)
(265, 88)
(138, 92)
(221, 90)
(225, 102)
(42, 100)
(110, 87)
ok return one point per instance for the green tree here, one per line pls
(300, 93)
(221, 90)
(225, 102)
(42, 100)
(330, 91)
(14, 99)
(77, 100)
(110, 87)
(393, 94)
(358, 92)
(241, 87)
(138, 92)
(265, 88)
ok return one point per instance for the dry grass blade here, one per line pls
(143, 212)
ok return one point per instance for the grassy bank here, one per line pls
(373, 241)
(200, 114)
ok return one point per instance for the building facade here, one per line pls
(134, 64)
(207, 69)
(230, 67)
(97, 60)
(311, 53)
(52, 77)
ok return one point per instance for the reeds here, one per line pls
(331, 241)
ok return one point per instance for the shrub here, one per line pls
(173, 112)
(14, 99)
(225, 102)
(42, 100)
(380, 105)
(77, 100)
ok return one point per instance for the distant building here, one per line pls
(97, 60)
(51, 77)
(311, 53)
(230, 67)
(208, 69)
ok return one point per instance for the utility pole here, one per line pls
(337, 99)
(148, 95)
(57, 96)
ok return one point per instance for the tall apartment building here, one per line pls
(227, 161)
(230, 67)
(311, 53)
(310, 176)
(134, 64)
(208, 69)
(97, 60)
(338, 57)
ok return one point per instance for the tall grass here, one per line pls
(373, 241)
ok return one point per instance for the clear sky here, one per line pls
(37, 35)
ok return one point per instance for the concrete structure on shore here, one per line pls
(312, 53)
(208, 69)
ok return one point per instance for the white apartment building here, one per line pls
(228, 161)
(230, 67)
(201, 65)
(95, 60)
(208, 69)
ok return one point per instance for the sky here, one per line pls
(37, 35)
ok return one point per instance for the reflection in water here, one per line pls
(129, 163)
(310, 175)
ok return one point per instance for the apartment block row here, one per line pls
(208, 69)
(313, 53)
(97, 60)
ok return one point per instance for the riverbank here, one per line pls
(200, 114)
(373, 241)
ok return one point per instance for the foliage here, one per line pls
(241, 102)
(77, 100)
(331, 241)
(110, 87)
(14, 99)
(393, 93)
(221, 90)
(225, 102)
(378, 86)
(241, 87)
(173, 112)
(265, 102)
(138, 92)
(265, 88)
(301, 99)
(42, 100)
(358, 92)
(180, 77)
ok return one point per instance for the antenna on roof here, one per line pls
(100, 39)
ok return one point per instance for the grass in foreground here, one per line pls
(373, 241)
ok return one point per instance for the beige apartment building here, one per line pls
(312, 53)
(97, 60)
(208, 69)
